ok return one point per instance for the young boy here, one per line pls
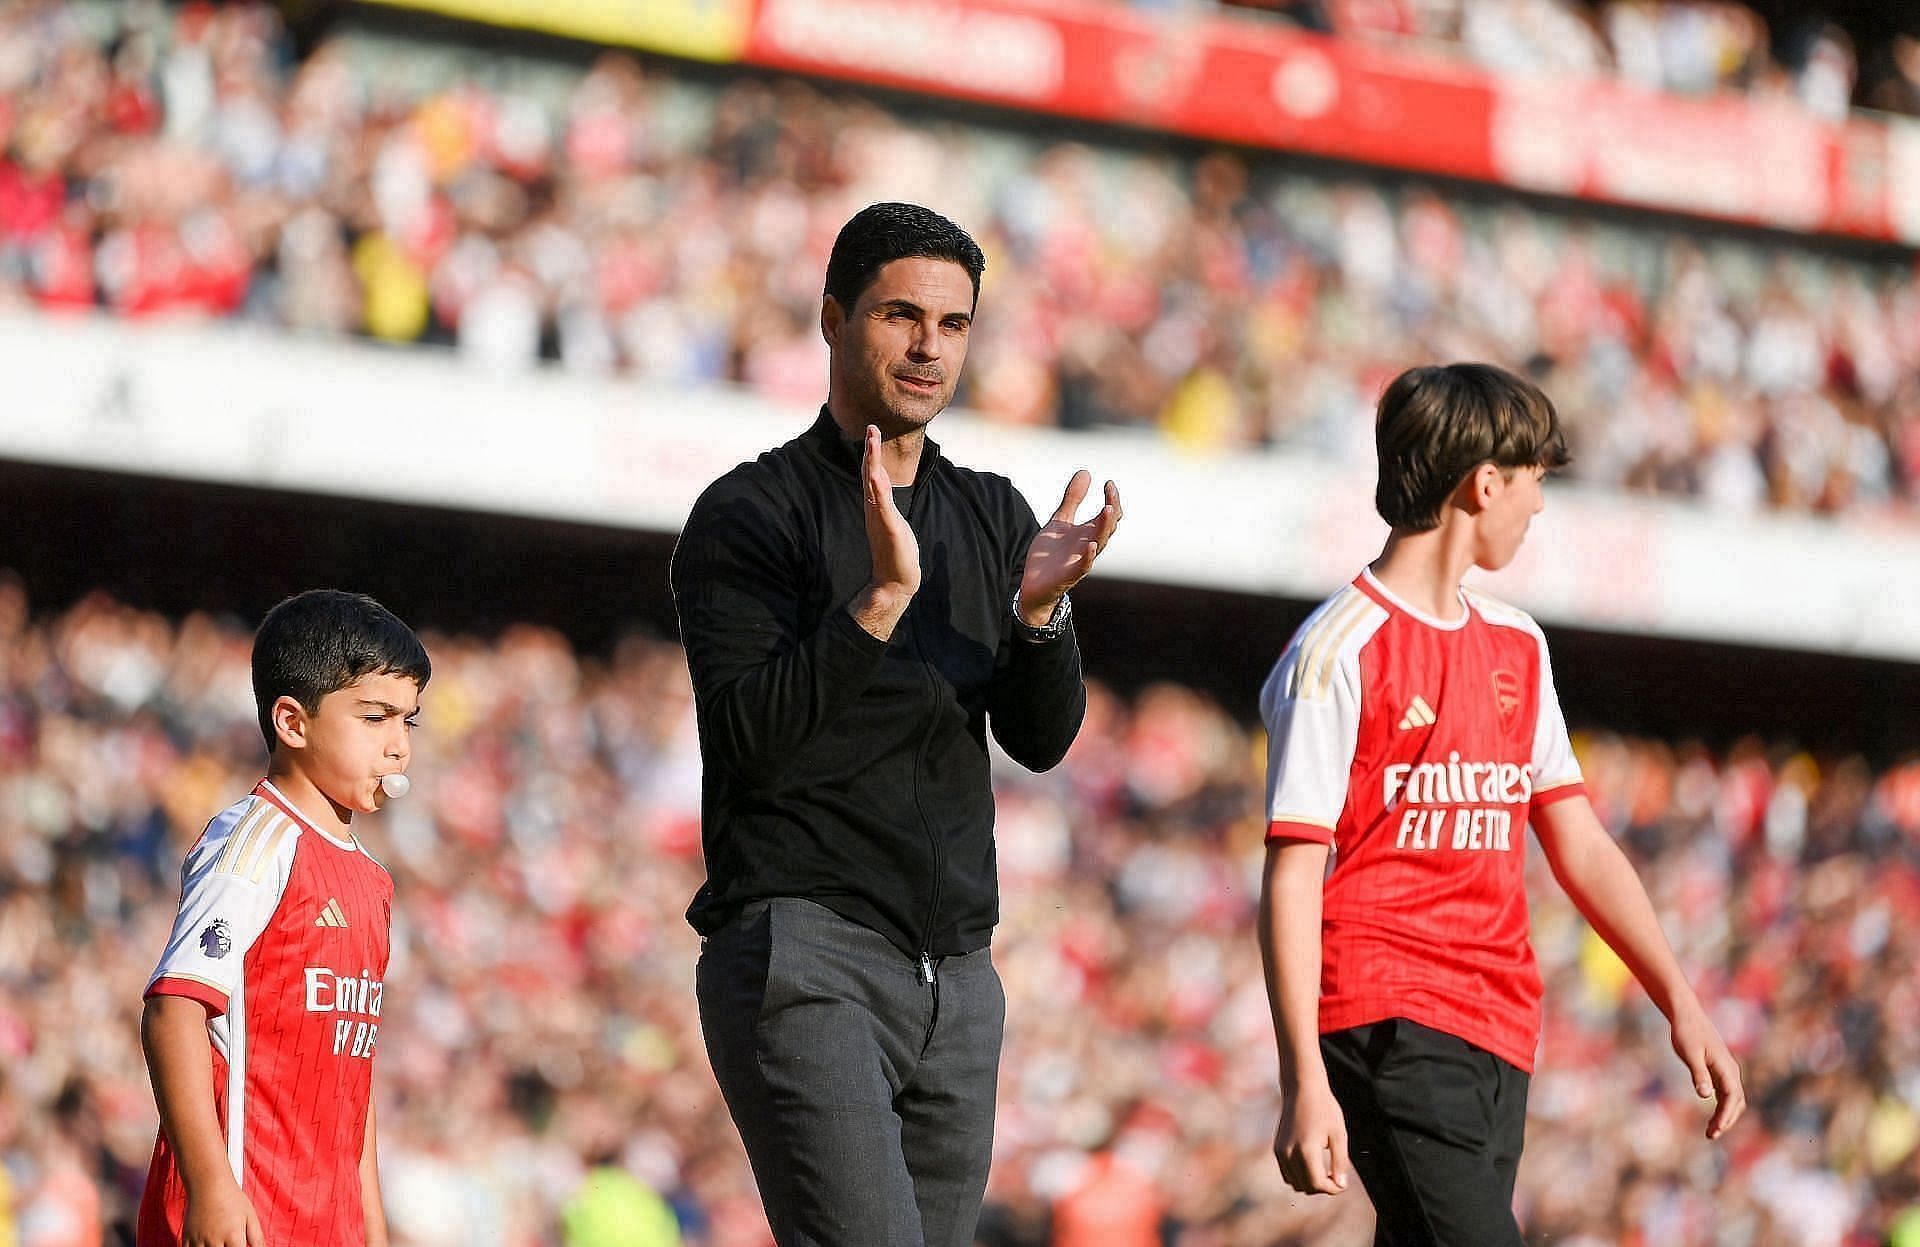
(1413, 735)
(262, 1018)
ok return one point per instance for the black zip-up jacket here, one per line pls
(838, 767)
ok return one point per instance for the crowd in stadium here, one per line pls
(644, 222)
(541, 1076)
(1687, 46)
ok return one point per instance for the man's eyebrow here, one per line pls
(908, 305)
(387, 706)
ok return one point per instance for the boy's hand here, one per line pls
(1311, 1144)
(1715, 1073)
(223, 1217)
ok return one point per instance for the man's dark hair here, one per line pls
(1437, 424)
(320, 641)
(879, 234)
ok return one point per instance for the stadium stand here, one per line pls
(540, 1027)
(1690, 46)
(663, 224)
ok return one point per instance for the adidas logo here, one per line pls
(331, 915)
(1418, 715)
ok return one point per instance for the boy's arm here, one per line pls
(1311, 1143)
(173, 1032)
(371, 1205)
(230, 886)
(1311, 708)
(1604, 888)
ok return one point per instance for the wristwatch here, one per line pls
(1051, 630)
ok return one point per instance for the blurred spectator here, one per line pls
(1821, 58)
(1896, 87)
(1111, 1201)
(544, 1081)
(1690, 48)
(613, 1208)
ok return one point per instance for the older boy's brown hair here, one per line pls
(1437, 424)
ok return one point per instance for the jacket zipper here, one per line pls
(919, 764)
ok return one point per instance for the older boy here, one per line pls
(1414, 733)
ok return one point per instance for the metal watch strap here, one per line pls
(1062, 616)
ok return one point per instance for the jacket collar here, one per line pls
(825, 440)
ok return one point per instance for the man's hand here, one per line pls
(1064, 551)
(895, 577)
(222, 1217)
(1311, 1144)
(1710, 1063)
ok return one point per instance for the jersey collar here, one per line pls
(1371, 586)
(274, 797)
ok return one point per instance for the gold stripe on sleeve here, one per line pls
(1313, 645)
(230, 855)
(1330, 653)
(266, 845)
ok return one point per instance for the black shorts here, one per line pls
(1434, 1129)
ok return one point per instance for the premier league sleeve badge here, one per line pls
(217, 940)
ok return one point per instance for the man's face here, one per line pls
(897, 353)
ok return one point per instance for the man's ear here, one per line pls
(832, 317)
(289, 719)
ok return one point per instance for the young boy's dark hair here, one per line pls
(1439, 423)
(881, 233)
(320, 641)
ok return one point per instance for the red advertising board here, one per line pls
(1327, 97)
(1051, 58)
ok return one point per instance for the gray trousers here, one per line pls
(864, 1094)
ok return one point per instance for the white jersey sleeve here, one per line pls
(1311, 707)
(229, 888)
(1556, 772)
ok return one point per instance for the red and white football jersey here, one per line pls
(1418, 749)
(283, 935)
